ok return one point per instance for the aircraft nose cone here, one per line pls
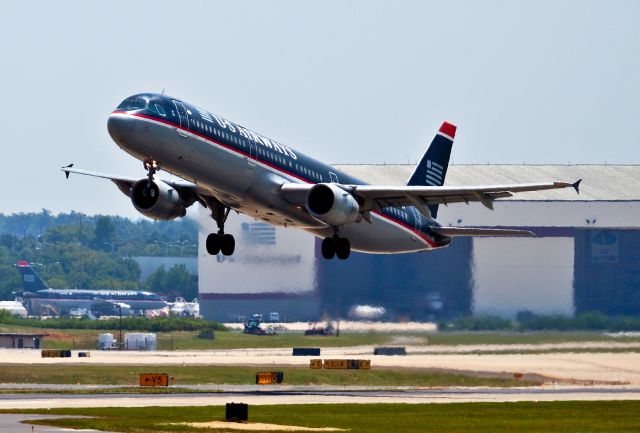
(118, 127)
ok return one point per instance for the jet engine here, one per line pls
(332, 205)
(157, 200)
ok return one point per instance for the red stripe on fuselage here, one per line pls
(404, 225)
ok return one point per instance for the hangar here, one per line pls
(586, 256)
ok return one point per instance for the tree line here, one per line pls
(154, 324)
(78, 251)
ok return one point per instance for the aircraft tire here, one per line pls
(343, 248)
(328, 248)
(213, 244)
(227, 245)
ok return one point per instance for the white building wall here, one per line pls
(285, 266)
(515, 274)
(578, 214)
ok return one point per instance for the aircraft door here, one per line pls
(417, 217)
(253, 155)
(184, 118)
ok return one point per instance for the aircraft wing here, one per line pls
(377, 197)
(125, 183)
(373, 197)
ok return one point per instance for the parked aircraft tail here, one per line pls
(433, 166)
(31, 281)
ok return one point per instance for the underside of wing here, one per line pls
(188, 191)
(125, 183)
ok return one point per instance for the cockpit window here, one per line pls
(133, 103)
(160, 110)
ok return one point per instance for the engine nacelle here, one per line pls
(158, 200)
(332, 205)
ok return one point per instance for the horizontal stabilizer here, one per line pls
(471, 231)
(576, 185)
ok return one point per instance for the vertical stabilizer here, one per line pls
(31, 281)
(433, 166)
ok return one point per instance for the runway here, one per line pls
(610, 372)
(322, 395)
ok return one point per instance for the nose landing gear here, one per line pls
(151, 167)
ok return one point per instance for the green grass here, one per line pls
(542, 337)
(122, 390)
(206, 374)
(532, 351)
(81, 339)
(575, 417)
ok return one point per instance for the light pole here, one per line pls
(121, 344)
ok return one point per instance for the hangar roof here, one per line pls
(599, 182)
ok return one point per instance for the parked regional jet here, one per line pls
(39, 298)
(226, 166)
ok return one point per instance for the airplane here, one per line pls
(180, 307)
(225, 166)
(39, 298)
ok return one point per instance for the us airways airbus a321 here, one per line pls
(225, 166)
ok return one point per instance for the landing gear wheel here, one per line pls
(227, 244)
(328, 248)
(343, 248)
(213, 244)
(219, 242)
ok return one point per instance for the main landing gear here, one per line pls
(220, 242)
(336, 246)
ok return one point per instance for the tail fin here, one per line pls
(433, 166)
(31, 281)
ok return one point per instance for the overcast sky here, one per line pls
(343, 81)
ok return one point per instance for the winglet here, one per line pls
(448, 129)
(66, 172)
(576, 185)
